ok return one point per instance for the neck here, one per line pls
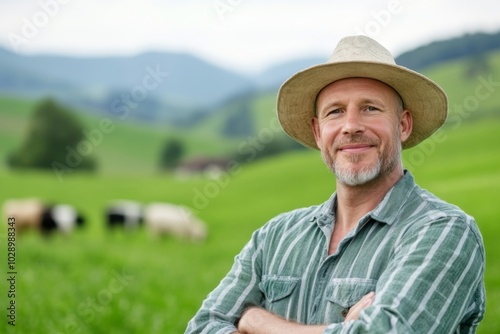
(353, 202)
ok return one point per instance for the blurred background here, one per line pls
(116, 116)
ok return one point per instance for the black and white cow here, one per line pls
(124, 213)
(33, 214)
(62, 218)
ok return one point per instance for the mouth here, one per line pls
(355, 148)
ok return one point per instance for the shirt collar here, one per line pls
(325, 213)
(385, 212)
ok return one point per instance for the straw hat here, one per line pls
(360, 56)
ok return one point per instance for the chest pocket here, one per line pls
(341, 294)
(278, 292)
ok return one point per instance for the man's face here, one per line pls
(359, 129)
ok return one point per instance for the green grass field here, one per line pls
(96, 282)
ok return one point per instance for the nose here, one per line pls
(353, 122)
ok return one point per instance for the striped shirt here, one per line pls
(423, 257)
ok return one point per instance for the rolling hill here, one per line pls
(133, 147)
(171, 278)
(177, 88)
(168, 278)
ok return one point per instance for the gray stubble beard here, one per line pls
(365, 175)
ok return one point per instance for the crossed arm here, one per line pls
(418, 290)
(256, 320)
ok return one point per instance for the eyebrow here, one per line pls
(373, 101)
(327, 107)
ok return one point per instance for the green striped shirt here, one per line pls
(423, 257)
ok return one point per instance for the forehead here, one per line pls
(356, 86)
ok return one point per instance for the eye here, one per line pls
(371, 108)
(334, 112)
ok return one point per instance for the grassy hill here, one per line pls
(129, 148)
(135, 147)
(164, 281)
(64, 285)
(476, 90)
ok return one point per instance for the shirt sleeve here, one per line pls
(433, 284)
(238, 290)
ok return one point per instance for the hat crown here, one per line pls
(360, 48)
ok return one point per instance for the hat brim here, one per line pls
(296, 99)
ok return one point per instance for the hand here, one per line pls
(250, 318)
(356, 309)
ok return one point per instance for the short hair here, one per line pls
(400, 105)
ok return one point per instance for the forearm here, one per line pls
(225, 304)
(256, 320)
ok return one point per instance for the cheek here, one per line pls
(386, 131)
(392, 138)
(328, 132)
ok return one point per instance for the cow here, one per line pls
(63, 218)
(26, 212)
(124, 213)
(33, 214)
(163, 219)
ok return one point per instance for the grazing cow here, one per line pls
(61, 217)
(168, 219)
(27, 213)
(33, 214)
(124, 213)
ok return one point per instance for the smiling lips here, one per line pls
(355, 148)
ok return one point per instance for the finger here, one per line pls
(356, 309)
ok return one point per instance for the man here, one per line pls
(381, 255)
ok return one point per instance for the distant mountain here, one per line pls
(469, 45)
(174, 88)
(181, 79)
(274, 76)
(179, 88)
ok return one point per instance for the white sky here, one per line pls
(242, 35)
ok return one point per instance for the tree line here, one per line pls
(57, 139)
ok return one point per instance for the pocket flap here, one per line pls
(278, 287)
(347, 292)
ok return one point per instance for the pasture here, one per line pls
(99, 282)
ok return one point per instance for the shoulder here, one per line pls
(428, 207)
(427, 211)
(412, 201)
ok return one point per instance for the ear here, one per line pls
(316, 130)
(406, 124)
